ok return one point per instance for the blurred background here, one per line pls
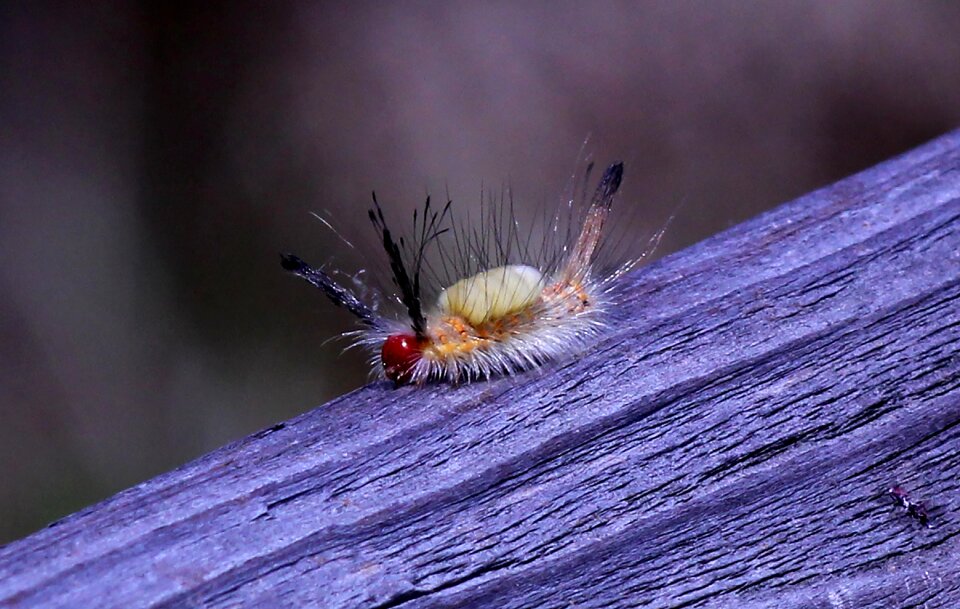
(156, 157)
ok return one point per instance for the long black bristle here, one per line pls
(338, 295)
(610, 183)
(409, 286)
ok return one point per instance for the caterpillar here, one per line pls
(503, 307)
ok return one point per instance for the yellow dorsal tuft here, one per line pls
(492, 294)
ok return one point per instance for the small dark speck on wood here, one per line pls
(731, 444)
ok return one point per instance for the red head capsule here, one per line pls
(400, 353)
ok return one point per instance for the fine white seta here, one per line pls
(504, 309)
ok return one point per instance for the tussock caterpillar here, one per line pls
(491, 304)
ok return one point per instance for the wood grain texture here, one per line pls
(728, 444)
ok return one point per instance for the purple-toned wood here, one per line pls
(730, 443)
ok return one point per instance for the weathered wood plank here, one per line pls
(729, 445)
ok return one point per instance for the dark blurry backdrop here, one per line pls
(155, 158)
